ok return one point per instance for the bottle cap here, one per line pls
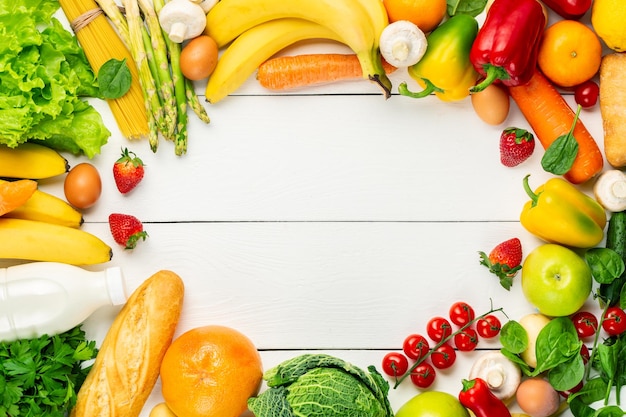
(116, 285)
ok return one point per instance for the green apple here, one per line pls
(433, 404)
(556, 280)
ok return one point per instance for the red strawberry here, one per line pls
(127, 171)
(516, 146)
(126, 230)
(504, 260)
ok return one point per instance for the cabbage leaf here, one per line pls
(322, 386)
(44, 75)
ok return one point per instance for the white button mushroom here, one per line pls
(610, 190)
(206, 4)
(501, 374)
(402, 43)
(182, 20)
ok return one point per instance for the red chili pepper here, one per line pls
(569, 9)
(507, 43)
(477, 396)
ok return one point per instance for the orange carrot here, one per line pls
(287, 72)
(550, 116)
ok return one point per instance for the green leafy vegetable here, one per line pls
(470, 7)
(43, 75)
(560, 155)
(114, 78)
(606, 264)
(323, 386)
(41, 377)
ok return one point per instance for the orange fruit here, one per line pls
(569, 53)
(210, 371)
(426, 14)
(13, 194)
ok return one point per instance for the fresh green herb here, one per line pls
(41, 377)
(470, 7)
(513, 337)
(605, 264)
(560, 155)
(114, 78)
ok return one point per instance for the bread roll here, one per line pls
(127, 366)
(613, 107)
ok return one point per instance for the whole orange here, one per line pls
(426, 14)
(210, 371)
(569, 53)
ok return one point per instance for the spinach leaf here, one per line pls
(556, 343)
(560, 155)
(470, 7)
(114, 78)
(610, 411)
(593, 390)
(568, 374)
(513, 337)
(580, 409)
(606, 264)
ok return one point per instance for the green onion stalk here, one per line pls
(138, 50)
(162, 63)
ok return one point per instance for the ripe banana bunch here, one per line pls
(254, 30)
(31, 161)
(45, 228)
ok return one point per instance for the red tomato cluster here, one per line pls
(613, 322)
(459, 332)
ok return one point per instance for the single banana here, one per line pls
(45, 207)
(253, 47)
(352, 22)
(31, 161)
(39, 241)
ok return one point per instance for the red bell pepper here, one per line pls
(477, 397)
(507, 43)
(569, 9)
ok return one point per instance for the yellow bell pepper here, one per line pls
(446, 69)
(558, 212)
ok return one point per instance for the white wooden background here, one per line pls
(325, 220)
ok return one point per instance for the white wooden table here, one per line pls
(326, 220)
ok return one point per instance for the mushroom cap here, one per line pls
(500, 373)
(610, 190)
(402, 43)
(182, 20)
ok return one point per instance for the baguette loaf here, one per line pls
(127, 366)
(613, 107)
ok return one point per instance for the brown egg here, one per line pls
(198, 58)
(82, 186)
(537, 397)
(492, 104)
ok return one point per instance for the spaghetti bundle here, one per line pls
(101, 43)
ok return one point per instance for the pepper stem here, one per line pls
(468, 384)
(493, 73)
(430, 88)
(534, 197)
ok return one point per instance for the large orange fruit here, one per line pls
(210, 371)
(570, 53)
(426, 14)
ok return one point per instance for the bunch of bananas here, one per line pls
(254, 30)
(45, 228)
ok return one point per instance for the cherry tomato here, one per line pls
(614, 322)
(461, 313)
(438, 328)
(466, 340)
(423, 375)
(488, 327)
(444, 356)
(586, 324)
(586, 94)
(415, 346)
(395, 364)
(584, 352)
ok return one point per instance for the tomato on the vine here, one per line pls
(461, 313)
(467, 340)
(423, 375)
(586, 94)
(415, 346)
(395, 364)
(614, 322)
(444, 356)
(586, 324)
(488, 326)
(438, 328)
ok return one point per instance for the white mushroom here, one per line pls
(501, 374)
(182, 20)
(206, 4)
(402, 43)
(610, 190)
